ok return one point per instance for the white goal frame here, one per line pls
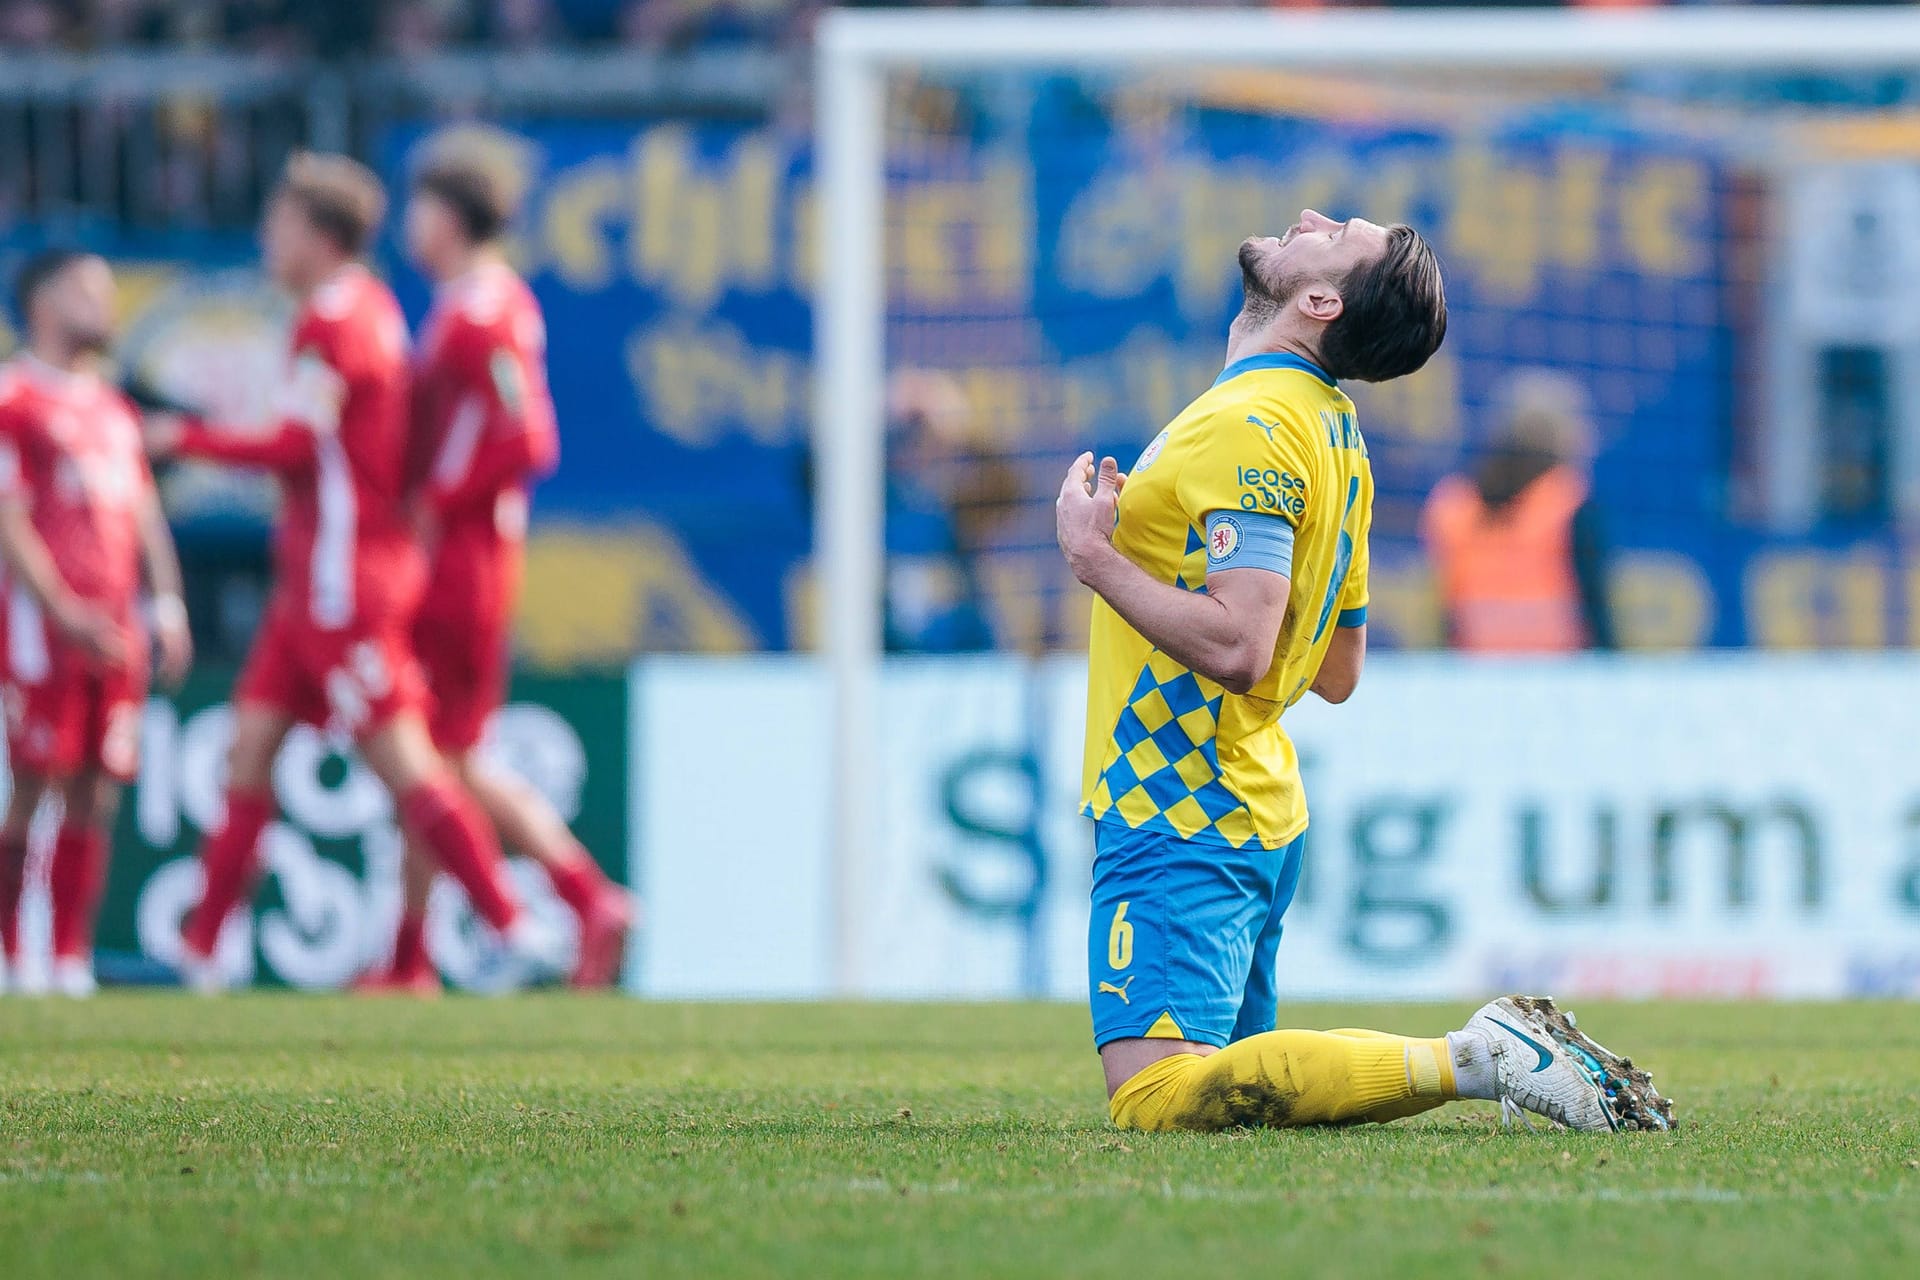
(856, 49)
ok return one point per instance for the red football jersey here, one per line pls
(484, 431)
(344, 552)
(70, 448)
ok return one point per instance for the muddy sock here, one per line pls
(1283, 1079)
(1472, 1064)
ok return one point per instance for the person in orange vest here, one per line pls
(1517, 547)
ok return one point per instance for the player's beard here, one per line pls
(1260, 302)
(86, 341)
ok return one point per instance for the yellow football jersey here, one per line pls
(1170, 750)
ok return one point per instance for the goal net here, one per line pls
(1679, 248)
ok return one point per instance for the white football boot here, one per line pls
(1535, 1071)
(28, 979)
(537, 951)
(1631, 1096)
(73, 978)
(201, 974)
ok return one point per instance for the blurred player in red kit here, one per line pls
(483, 434)
(79, 516)
(333, 648)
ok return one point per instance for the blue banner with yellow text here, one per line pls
(1070, 267)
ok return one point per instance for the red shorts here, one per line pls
(65, 715)
(354, 680)
(465, 658)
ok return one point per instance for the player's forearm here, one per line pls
(1339, 673)
(513, 463)
(162, 561)
(286, 447)
(1193, 628)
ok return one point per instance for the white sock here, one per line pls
(1473, 1073)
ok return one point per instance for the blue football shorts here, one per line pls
(1183, 935)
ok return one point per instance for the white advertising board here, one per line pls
(1712, 826)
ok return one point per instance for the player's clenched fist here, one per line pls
(172, 639)
(94, 632)
(1086, 512)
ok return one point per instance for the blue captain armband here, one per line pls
(1249, 540)
(1352, 617)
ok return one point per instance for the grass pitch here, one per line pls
(283, 1135)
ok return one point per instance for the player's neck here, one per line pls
(467, 263)
(324, 275)
(62, 358)
(1269, 339)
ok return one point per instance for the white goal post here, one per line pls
(857, 49)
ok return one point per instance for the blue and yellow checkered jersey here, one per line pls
(1168, 749)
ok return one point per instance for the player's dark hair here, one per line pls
(1394, 312)
(340, 196)
(38, 272)
(479, 201)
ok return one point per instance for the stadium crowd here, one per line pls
(331, 28)
(295, 28)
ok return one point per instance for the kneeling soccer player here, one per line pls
(1231, 574)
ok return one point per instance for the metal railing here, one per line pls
(177, 143)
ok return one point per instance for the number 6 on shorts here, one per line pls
(1120, 940)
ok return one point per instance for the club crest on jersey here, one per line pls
(1223, 540)
(1151, 453)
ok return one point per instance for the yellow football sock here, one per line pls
(1287, 1078)
(1412, 1106)
(1361, 1033)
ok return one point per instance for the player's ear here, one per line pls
(1321, 302)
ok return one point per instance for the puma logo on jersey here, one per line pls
(1268, 427)
(1107, 988)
